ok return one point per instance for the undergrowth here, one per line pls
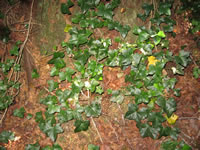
(148, 80)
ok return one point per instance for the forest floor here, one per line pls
(116, 132)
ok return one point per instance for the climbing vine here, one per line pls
(148, 80)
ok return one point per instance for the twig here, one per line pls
(27, 34)
(97, 130)
(2, 118)
(121, 113)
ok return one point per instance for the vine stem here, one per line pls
(97, 130)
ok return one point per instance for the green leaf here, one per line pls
(65, 115)
(19, 112)
(99, 90)
(147, 8)
(57, 60)
(52, 85)
(117, 97)
(65, 7)
(136, 30)
(14, 51)
(53, 109)
(17, 67)
(35, 146)
(161, 34)
(63, 95)
(6, 135)
(52, 131)
(136, 59)
(39, 118)
(66, 75)
(164, 9)
(147, 130)
(81, 125)
(54, 72)
(34, 74)
(93, 110)
(156, 118)
(132, 113)
(49, 100)
(93, 147)
(105, 12)
(156, 40)
(79, 37)
(29, 116)
(143, 36)
(142, 98)
(168, 106)
(87, 4)
(196, 72)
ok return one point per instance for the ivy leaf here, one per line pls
(81, 57)
(63, 95)
(65, 115)
(79, 37)
(164, 9)
(35, 146)
(169, 106)
(65, 7)
(19, 112)
(54, 72)
(53, 108)
(104, 11)
(113, 59)
(93, 147)
(87, 4)
(52, 85)
(93, 110)
(14, 51)
(39, 118)
(142, 98)
(6, 135)
(56, 55)
(161, 34)
(81, 125)
(35, 74)
(117, 97)
(156, 40)
(57, 60)
(156, 118)
(136, 30)
(49, 100)
(147, 8)
(99, 90)
(183, 58)
(143, 36)
(132, 113)
(136, 59)
(168, 28)
(147, 131)
(67, 28)
(52, 131)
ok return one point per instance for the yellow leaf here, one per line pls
(152, 60)
(67, 28)
(171, 120)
